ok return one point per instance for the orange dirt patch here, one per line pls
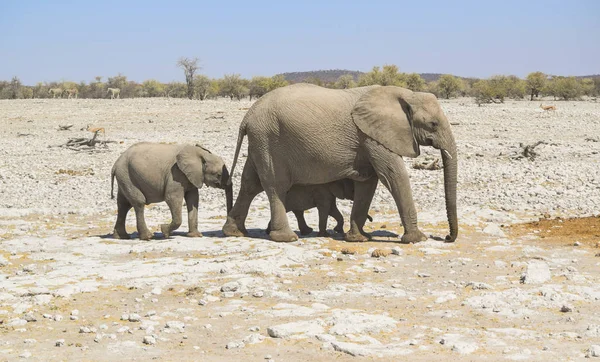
(586, 230)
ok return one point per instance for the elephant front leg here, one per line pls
(191, 201)
(363, 195)
(123, 206)
(143, 231)
(250, 187)
(304, 228)
(175, 202)
(391, 170)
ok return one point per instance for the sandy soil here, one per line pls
(522, 282)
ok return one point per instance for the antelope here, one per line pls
(96, 130)
(114, 92)
(547, 108)
(55, 92)
(71, 92)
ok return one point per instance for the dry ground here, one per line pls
(520, 283)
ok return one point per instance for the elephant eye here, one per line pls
(435, 124)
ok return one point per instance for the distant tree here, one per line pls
(258, 86)
(535, 83)
(277, 81)
(15, 88)
(485, 92)
(176, 90)
(189, 66)
(449, 85)
(564, 87)
(27, 92)
(202, 86)
(233, 86)
(389, 75)
(345, 81)
(152, 88)
(120, 81)
(370, 78)
(414, 82)
(587, 87)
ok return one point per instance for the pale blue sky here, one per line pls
(77, 40)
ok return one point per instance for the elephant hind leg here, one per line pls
(337, 215)
(249, 188)
(123, 206)
(302, 225)
(142, 229)
(280, 227)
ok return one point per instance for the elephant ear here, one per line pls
(191, 163)
(385, 115)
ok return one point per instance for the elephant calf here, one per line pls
(152, 172)
(304, 197)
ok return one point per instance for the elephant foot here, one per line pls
(283, 236)
(231, 229)
(194, 234)
(357, 238)
(324, 234)
(306, 231)
(166, 230)
(339, 229)
(413, 237)
(120, 235)
(146, 235)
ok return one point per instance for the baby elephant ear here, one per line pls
(385, 115)
(191, 163)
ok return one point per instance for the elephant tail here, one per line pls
(112, 183)
(240, 140)
(370, 218)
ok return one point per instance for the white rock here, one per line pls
(494, 230)
(253, 338)
(593, 351)
(479, 285)
(537, 272)
(235, 345)
(308, 328)
(176, 326)
(230, 287)
(156, 291)
(25, 354)
(134, 317)
(397, 250)
(258, 294)
(149, 340)
(59, 342)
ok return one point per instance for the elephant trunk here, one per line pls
(449, 157)
(228, 186)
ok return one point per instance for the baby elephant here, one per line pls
(152, 172)
(305, 197)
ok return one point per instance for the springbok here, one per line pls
(96, 130)
(547, 108)
(71, 92)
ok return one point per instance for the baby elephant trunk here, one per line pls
(228, 186)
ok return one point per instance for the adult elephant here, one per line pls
(306, 134)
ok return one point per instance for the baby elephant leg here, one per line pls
(304, 228)
(337, 215)
(191, 201)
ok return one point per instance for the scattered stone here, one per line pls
(59, 342)
(98, 338)
(258, 294)
(479, 286)
(149, 340)
(156, 291)
(253, 338)
(593, 351)
(124, 317)
(380, 253)
(30, 317)
(230, 287)
(176, 326)
(202, 302)
(75, 312)
(397, 250)
(57, 317)
(537, 272)
(134, 317)
(86, 329)
(423, 275)
(25, 354)
(235, 345)
(566, 309)
(379, 269)
(29, 341)
(348, 251)
(254, 329)
(150, 313)
(494, 230)
(309, 328)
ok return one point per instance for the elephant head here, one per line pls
(402, 120)
(200, 166)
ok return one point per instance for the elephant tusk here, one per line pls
(447, 154)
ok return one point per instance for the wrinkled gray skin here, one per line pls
(152, 172)
(306, 134)
(304, 197)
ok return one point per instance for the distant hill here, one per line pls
(330, 76)
(326, 76)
